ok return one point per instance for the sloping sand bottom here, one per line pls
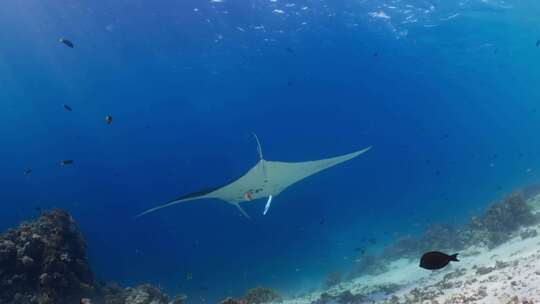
(509, 273)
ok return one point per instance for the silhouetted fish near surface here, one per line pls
(434, 260)
(108, 119)
(67, 42)
(27, 171)
(68, 108)
(66, 162)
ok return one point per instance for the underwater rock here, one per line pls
(530, 191)
(260, 295)
(333, 279)
(145, 294)
(441, 237)
(436, 237)
(528, 233)
(44, 262)
(500, 220)
(404, 247)
(233, 301)
(484, 270)
(345, 297)
(368, 264)
(497, 225)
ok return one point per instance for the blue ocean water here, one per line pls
(444, 92)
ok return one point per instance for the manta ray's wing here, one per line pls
(232, 193)
(283, 174)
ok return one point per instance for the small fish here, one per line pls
(108, 119)
(538, 43)
(372, 241)
(434, 260)
(66, 162)
(27, 171)
(67, 42)
(68, 108)
(360, 250)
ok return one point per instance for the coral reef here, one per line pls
(44, 262)
(404, 247)
(257, 295)
(332, 279)
(368, 264)
(498, 224)
(144, 294)
(499, 221)
(345, 297)
(437, 236)
(530, 191)
(233, 301)
(441, 237)
(260, 295)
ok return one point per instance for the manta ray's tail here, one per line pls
(162, 206)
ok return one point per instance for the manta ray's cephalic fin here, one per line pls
(261, 159)
(259, 149)
(244, 213)
(267, 206)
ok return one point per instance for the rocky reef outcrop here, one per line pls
(257, 295)
(144, 294)
(345, 297)
(501, 221)
(45, 262)
(367, 264)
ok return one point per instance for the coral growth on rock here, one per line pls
(367, 264)
(260, 295)
(332, 279)
(498, 224)
(499, 221)
(345, 297)
(144, 294)
(233, 301)
(44, 262)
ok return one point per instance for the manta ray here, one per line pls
(266, 179)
